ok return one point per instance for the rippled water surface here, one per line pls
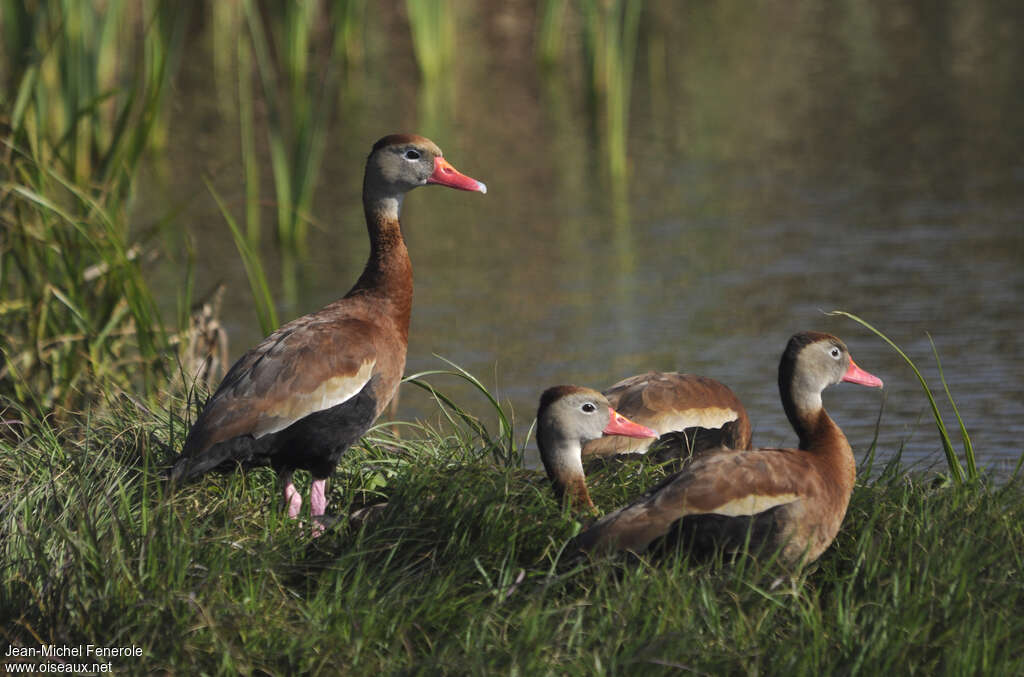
(783, 159)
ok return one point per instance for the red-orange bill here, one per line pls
(855, 374)
(620, 425)
(446, 175)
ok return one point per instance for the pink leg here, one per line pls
(292, 498)
(317, 504)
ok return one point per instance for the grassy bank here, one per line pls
(464, 571)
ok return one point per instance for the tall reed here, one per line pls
(608, 38)
(90, 99)
(551, 31)
(608, 46)
(609, 51)
(299, 94)
(83, 111)
(432, 25)
(349, 20)
(266, 312)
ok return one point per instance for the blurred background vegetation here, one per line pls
(84, 99)
(667, 176)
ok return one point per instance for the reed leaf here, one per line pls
(972, 469)
(266, 312)
(504, 444)
(551, 31)
(609, 53)
(247, 129)
(432, 25)
(349, 20)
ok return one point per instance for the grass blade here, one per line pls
(506, 434)
(952, 461)
(972, 468)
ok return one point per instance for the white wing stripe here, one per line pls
(704, 417)
(330, 393)
(751, 504)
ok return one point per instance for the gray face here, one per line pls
(825, 362)
(809, 368)
(581, 416)
(404, 166)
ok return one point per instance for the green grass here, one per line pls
(464, 572)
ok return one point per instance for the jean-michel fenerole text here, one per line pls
(80, 651)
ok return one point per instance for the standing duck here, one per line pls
(790, 500)
(567, 418)
(690, 413)
(305, 393)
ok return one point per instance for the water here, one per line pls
(784, 159)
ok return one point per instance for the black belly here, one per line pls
(314, 443)
(703, 535)
(685, 444)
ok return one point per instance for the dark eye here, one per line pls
(835, 352)
(589, 407)
(412, 154)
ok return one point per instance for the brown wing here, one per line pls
(307, 365)
(730, 483)
(671, 402)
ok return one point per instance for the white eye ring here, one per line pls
(412, 154)
(588, 407)
(835, 352)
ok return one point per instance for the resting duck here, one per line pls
(303, 395)
(790, 500)
(690, 413)
(569, 416)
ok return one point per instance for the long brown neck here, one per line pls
(578, 496)
(821, 436)
(564, 467)
(388, 272)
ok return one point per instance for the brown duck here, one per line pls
(567, 418)
(690, 413)
(790, 500)
(304, 394)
